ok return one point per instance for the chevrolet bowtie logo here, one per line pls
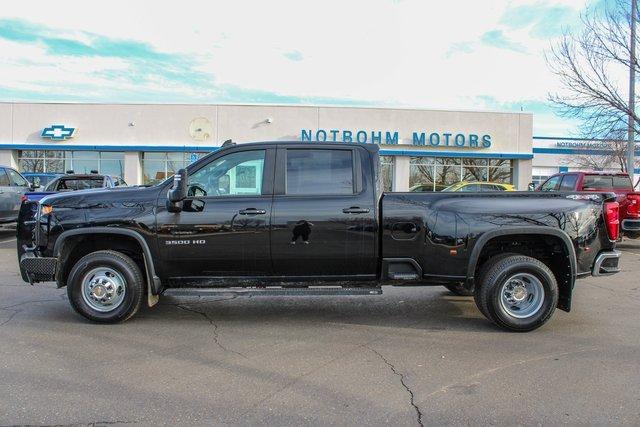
(58, 132)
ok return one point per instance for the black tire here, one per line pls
(129, 272)
(488, 291)
(459, 289)
(482, 271)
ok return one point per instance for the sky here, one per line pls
(463, 55)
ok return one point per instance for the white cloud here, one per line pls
(371, 50)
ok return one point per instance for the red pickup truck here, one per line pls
(599, 182)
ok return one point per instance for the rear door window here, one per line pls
(569, 182)
(319, 172)
(597, 181)
(606, 181)
(491, 188)
(469, 188)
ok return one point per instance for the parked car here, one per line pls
(13, 187)
(599, 182)
(309, 219)
(428, 187)
(73, 182)
(40, 179)
(482, 186)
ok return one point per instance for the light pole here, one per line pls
(631, 143)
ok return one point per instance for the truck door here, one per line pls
(223, 229)
(324, 213)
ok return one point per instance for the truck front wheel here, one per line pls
(106, 287)
(517, 292)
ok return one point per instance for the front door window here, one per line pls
(236, 174)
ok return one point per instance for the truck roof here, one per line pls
(604, 173)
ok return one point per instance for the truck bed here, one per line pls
(442, 229)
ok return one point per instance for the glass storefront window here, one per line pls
(422, 173)
(386, 172)
(154, 167)
(158, 166)
(437, 173)
(501, 174)
(84, 161)
(112, 167)
(447, 175)
(474, 173)
(61, 161)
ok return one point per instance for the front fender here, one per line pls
(155, 286)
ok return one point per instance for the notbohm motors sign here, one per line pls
(433, 139)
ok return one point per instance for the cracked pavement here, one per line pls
(409, 357)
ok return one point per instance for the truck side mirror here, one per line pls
(178, 191)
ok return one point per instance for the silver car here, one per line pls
(13, 186)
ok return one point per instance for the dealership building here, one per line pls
(145, 143)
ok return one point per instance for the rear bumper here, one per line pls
(35, 268)
(630, 225)
(606, 263)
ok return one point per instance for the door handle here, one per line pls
(355, 210)
(252, 211)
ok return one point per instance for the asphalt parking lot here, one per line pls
(411, 356)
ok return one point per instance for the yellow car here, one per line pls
(476, 186)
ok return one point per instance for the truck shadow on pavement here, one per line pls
(428, 309)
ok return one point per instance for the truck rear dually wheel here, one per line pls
(106, 287)
(517, 292)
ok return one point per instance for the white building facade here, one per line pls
(145, 143)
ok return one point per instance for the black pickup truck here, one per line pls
(291, 218)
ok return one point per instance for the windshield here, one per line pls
(72, 184)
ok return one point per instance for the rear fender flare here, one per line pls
(486, 237)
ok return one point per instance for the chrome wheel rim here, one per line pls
(103, 289)
(522, 295)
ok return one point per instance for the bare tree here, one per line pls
(592, 66)
(605, 155)
(32, 165)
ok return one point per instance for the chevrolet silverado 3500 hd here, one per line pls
(291, 218)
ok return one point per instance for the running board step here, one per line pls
(286, 292)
